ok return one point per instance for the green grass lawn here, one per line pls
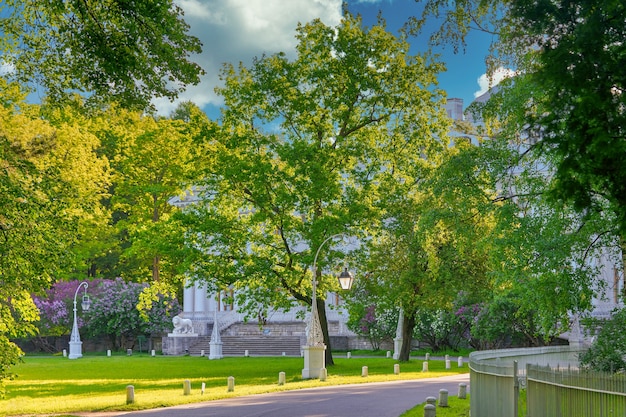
(53, 384)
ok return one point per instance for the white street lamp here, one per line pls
(314, 351)
(75, 343)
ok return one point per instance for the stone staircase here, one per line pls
(256, 345)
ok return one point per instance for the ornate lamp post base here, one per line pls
(75, 350)
(314, 361)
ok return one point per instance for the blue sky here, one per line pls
(464, 69)
(237, 30)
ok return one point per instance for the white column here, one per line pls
(188, 300)
(397, 342)
(199, 304)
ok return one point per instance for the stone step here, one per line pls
(255, 345)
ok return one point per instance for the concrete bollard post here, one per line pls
(430, 410)
(431, 400)
(202, 388)
(462, 391)
(109, 352)
(427, 356)
(447, 357)
(153, 353)
(65, 353)
(201, 352)
(460, 361)
(186, 387)
(443, 398)
(246, 353)
(281, 378)
(284, 354)
(130, 394)
(231, 383)
(364, 371)
(388, 354)
(447, 363)
(323, 374)
(129, 352)
(425, 366)
(349, 355)
(396, 369)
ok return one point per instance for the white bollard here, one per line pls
(284, 354)
(130, 394)
(447, 363)
(246, 353)
(460, 361)
(364, 371)
(427, 356)
(388, 354)
(424, 366)
(447, 358)
(109, 352)
(231, 383)
(186, 387)
(201, 352)
(430, 410)
(129, 352)
(65, 353)
(443, 398)
(349, 355)
(396, 369)
(202, 388)
(281, 378)
(462, 391)
(153, 353)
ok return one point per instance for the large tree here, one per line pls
(304, 146)
(51, 182)
(569, 58)
(435, 240)
(127, 51)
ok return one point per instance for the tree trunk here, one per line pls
(407, 336)
(321, 310)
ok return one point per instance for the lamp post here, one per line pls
(75, 343)
(314, 351)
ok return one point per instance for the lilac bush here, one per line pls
(113, 312)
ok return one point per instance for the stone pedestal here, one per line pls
(215, 351)
(314, 361)
(178, 344)
(76, 350)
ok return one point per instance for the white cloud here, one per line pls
(6, 68)
(234, 31)
(486, 82)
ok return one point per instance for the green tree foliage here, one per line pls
(153, 160)
(50, 185)
(127, 52)
(608, 351)
(305, 147)
(568, 57)
(436, 238)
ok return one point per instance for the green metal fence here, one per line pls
(496, 376)
(573, 392)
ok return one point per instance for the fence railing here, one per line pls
(574, 392)
(496, 375)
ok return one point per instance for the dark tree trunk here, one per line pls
(321, 309)
(407, 336)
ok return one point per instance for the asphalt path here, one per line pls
(384, 399)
